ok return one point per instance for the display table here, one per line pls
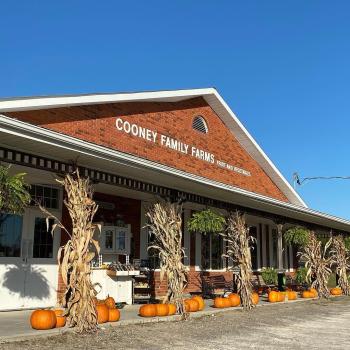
(116, 284)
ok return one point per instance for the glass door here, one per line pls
(40, 287)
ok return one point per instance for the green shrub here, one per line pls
(300, 277)
(269, 275)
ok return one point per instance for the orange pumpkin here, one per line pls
(60, 319)
(162, 309)
(314, 293)
(292, 295)
(110, 303)
(234, 298)
(172, 309)
(219, 302)
(102, 313)
(200, 302)
(193, 305)
(113, 315)
(148, 310)
(43, 319)
(227, 302)
(336, 291)
(255, 298)
(307, 294)
(273, 297)
(281, 296)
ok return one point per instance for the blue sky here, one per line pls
(282, 66)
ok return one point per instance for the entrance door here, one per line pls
(28, 278)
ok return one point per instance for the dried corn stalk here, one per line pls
(341, 261)
(165, 222)
(318, 264)
(75, 256)
(238, 248)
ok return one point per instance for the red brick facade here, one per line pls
(96, 123)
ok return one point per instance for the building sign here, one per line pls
(174, 144)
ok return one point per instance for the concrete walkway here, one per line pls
(15, 326)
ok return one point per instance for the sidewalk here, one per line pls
(15, 326)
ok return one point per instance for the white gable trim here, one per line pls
(210, 95)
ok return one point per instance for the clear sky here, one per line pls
(282, 66)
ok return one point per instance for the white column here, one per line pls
(263, 238)
(198, 251)
(258, 245)
(271, 255)
(187, 237)
(279, 247)
(291, 258)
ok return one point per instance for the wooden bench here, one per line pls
(215, 285)
(259, 284)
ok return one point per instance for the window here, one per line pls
(45, 195)
(211, 252)
(200, 125)
(43, 241)
(10, 235)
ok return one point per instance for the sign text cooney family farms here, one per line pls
(174, 144)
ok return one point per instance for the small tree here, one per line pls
(14, 195)
(340, 256)
(238, 246)
(74, 257)
(165, 222)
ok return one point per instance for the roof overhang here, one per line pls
(211, 96)
(23, 136)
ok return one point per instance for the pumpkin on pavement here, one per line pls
(273, 297)
(281, 296)
(219, 302)
(234, 298)
(60, 319)
(172, 309)
(307, 294)
(314, 293)
(255, 298)
(102, 313)
(291, 295)
(336, 291)
(110, 303)
(148, 310)
(162, 309)
(113, 315)
(43, 319)
(200, 301)
(191, 305)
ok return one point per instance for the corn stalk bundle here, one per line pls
(341, 260)
(74, 257)
(238, 247)
(318, 264)
(165, 222)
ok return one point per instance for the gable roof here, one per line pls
(211, 96)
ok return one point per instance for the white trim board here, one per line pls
(212, 97)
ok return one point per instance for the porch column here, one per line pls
(279, 247)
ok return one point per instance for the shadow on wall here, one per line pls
(36, 285)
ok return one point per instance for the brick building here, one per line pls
(137, 147)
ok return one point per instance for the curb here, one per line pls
(139, 321)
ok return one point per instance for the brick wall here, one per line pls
(96, 123)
